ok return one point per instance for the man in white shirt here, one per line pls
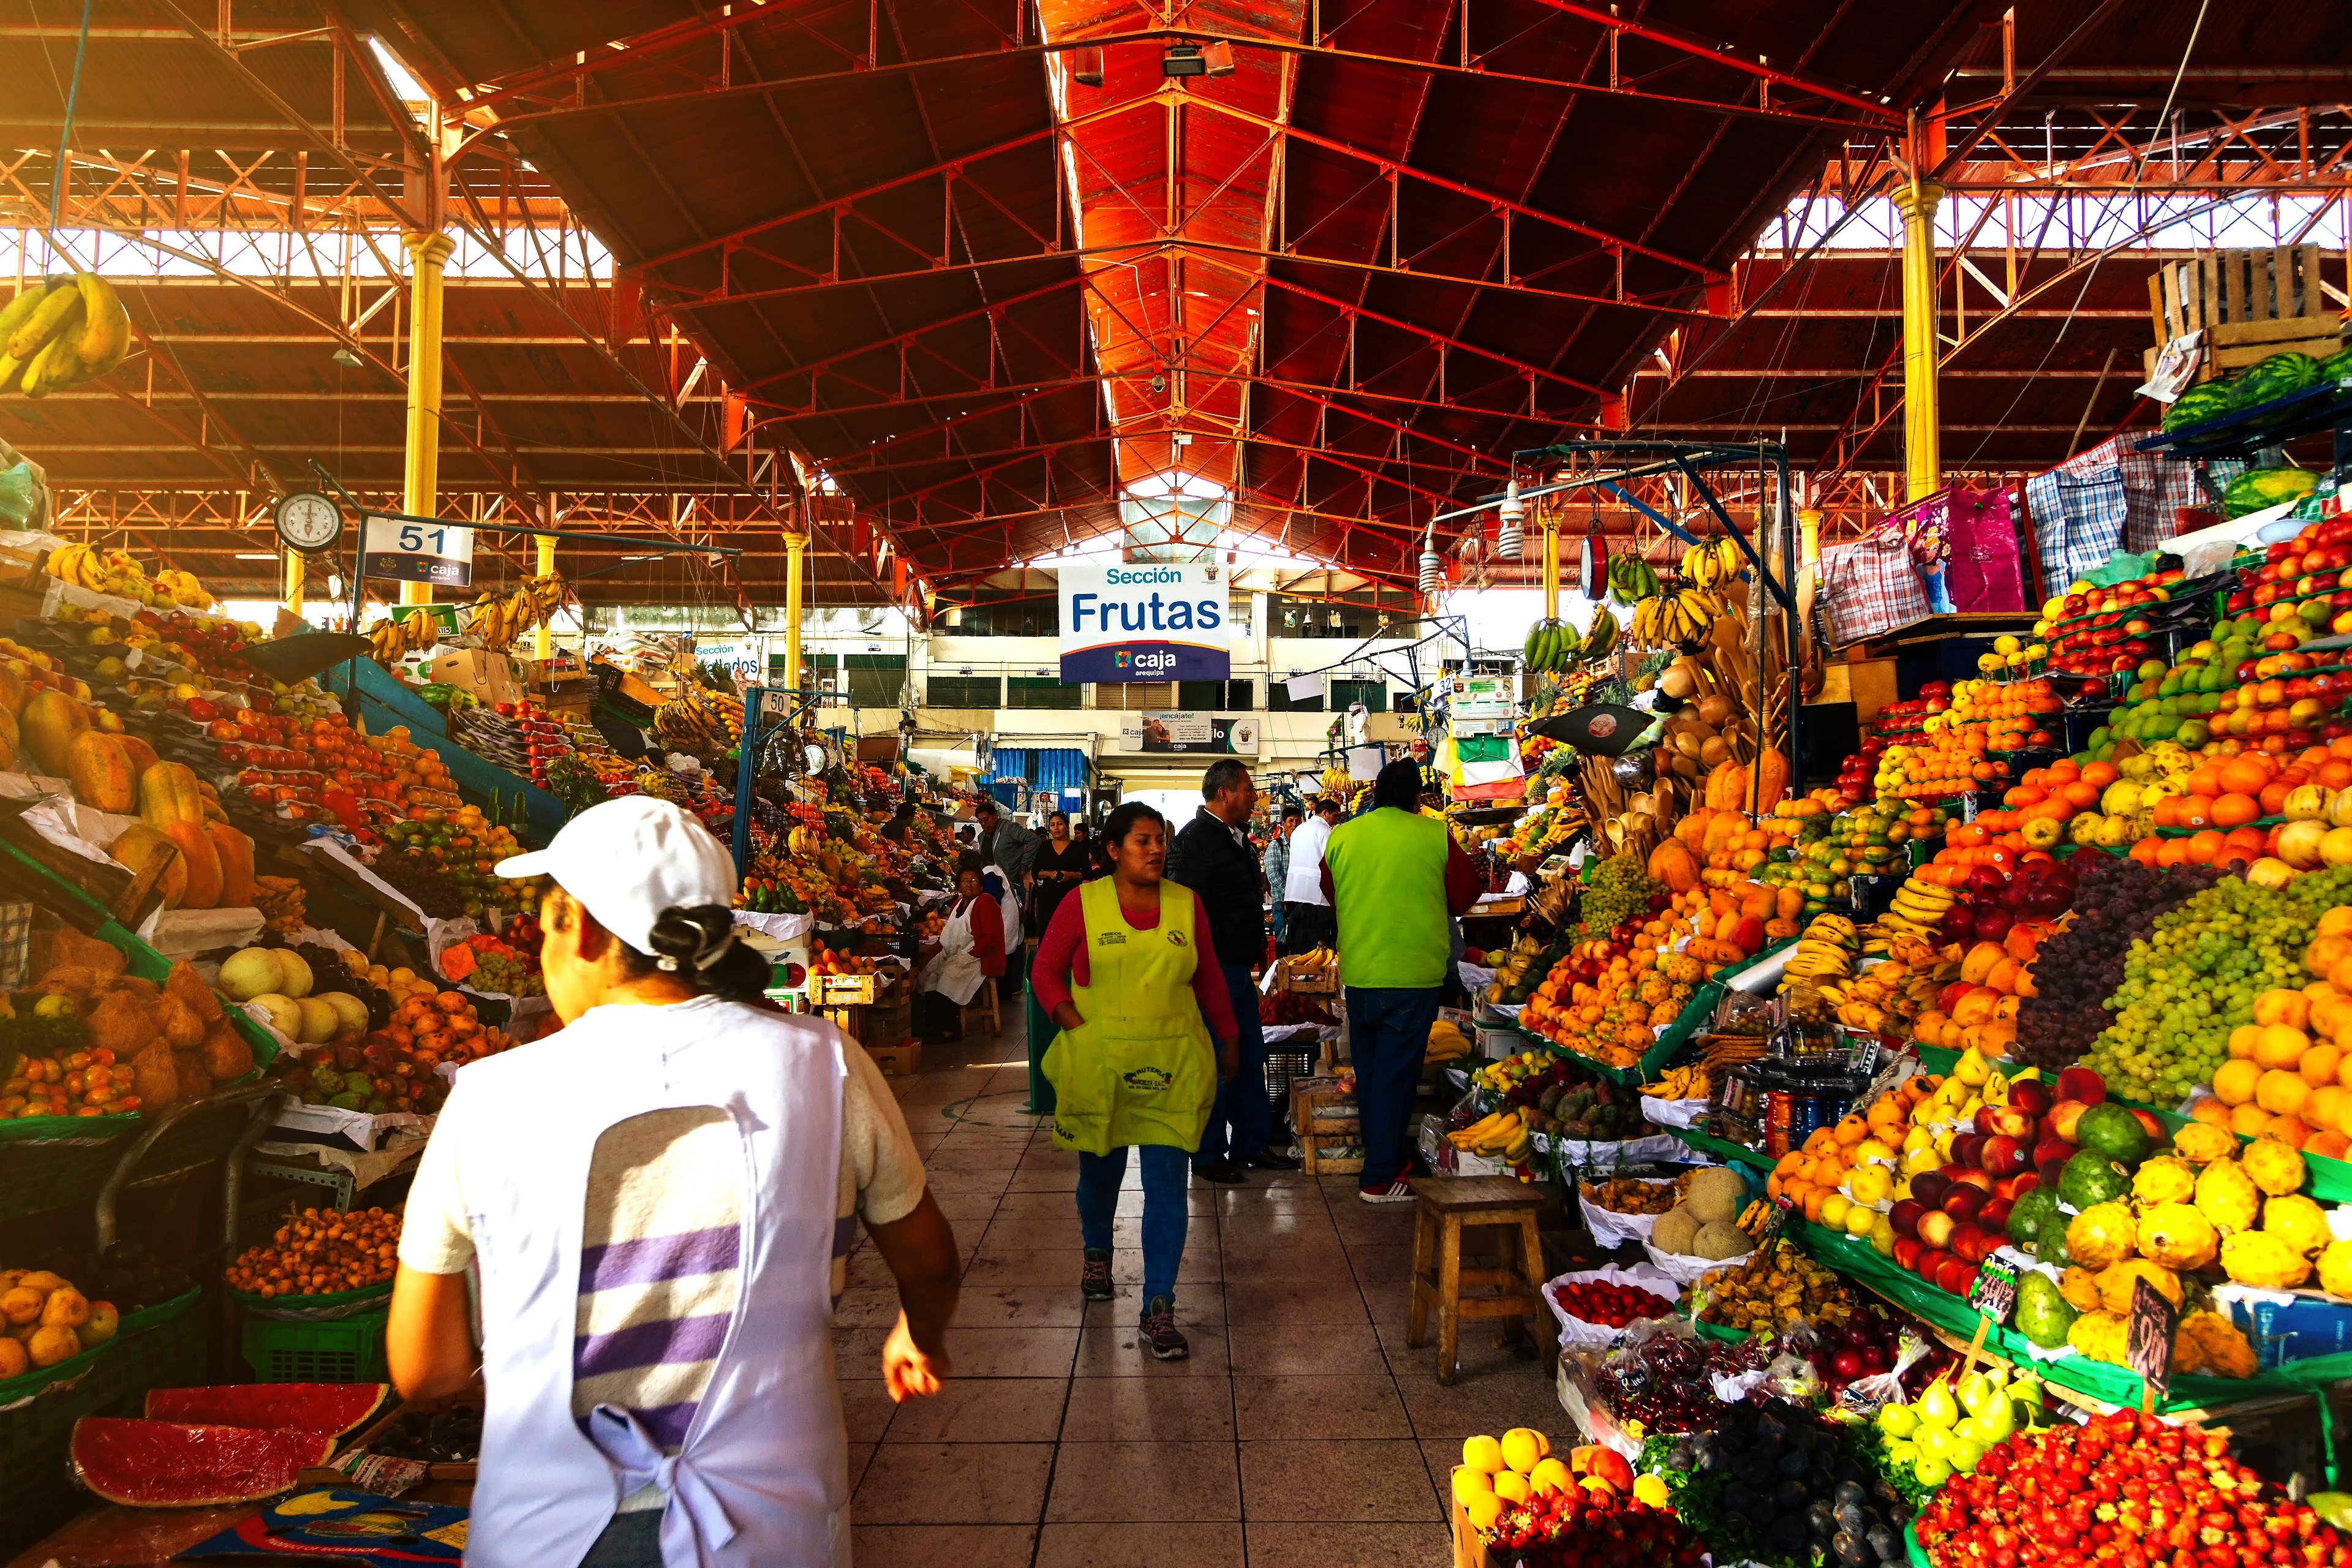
(1306, 913)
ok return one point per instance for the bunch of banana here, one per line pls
(1314, 960)
(498, 620)
(63, 329)
(1826, 951)
(1549, 646)
(1720, 561)
(1446, 1042)
(1676, 618)
(1506, 1134)
(685, 724)
(1918, 909)
(1876, 993)
(394, 636)
(1600, 637)
(1681, 1083)
(804, 839)
(1336, 783)
(1631, 579)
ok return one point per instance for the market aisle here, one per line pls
(1300, 1430)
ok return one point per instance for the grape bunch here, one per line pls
(2076, 968)
(1619, 891)
(2194, 978)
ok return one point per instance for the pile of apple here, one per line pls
(1977, 1144)
(2115, 637)
(2306, 569)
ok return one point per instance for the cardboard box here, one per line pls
(490, 677)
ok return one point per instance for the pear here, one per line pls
(1937, 1408)
(1996, 1421)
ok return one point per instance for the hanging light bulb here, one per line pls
(1510, 539)
(1433, 565)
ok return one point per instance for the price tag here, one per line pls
(440, 553)
(1995, 1290)
(2148, 1341)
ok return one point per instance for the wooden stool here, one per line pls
(1447, 1205)
(981, 1006)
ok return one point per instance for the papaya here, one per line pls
(48, 724)
(100, 770)
(1726, 787)
(8, 739)
(141, 754)
(1771, 779)
(236, 853)
(1672, 863)
(137, 844)
(14, 687)
(171, 802)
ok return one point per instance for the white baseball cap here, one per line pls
(629, 860)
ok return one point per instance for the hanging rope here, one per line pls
(61, 175)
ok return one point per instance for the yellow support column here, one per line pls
(295, 562)
(1923, 460)
(542, 641)
(1551, 568)
(796, 546)
(420, 488)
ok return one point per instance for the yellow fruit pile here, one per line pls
(44, 1320)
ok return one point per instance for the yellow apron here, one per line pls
(1141, 1068)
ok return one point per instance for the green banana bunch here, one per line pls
(1549, 643)
(1631, 579)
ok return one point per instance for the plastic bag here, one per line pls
(1577, 1334)
(23, 500)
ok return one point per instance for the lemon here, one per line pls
(1834, 1210)
(1523, 1446)
(1512, 1487)
(1861, 1221)
(1483, 1455)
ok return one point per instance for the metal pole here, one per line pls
(747, 760)
(295, 562)
(1792, 640)
(1922, 459)
(420, 481)
(795, 547)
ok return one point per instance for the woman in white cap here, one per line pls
(658, 1203)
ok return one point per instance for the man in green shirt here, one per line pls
(1395, 879)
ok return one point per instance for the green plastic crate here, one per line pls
(343, 1350)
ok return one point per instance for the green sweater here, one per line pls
(1388, 869)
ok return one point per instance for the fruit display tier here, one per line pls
(384, 701)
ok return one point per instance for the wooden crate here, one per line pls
(1311, 982)
(1469, 1551)
(1307, 1096)
(845, 990)
(901, 1060)
(2250, 304)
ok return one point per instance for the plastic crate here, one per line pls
(345, 1350)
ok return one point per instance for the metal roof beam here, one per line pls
(1721, 53)
(994, 308)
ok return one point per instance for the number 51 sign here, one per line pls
(419, 552)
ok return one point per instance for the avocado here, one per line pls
(2092, 1177)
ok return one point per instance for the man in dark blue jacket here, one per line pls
(1212, 857)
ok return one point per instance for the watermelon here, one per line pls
(2259, 487)
(334, 1408)
(2206, 400)
(2336, 367)
(2275, 377)
(164, 1464)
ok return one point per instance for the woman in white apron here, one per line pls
(658, 1203)
(1008, 905)
(970, 951)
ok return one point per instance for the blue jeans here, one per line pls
(1388, 1036)
(1242, 1119)
(1165, 1177)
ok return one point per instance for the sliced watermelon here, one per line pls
(163, 1464)
(334, 1408)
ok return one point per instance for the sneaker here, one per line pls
(1225, 1172)
(1094, 1277)
(1273, 1160)
(1158, 1332)
(1399, 1191)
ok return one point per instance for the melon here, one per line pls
(330, 1407)
(166, 1464)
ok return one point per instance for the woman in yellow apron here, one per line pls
(1126, 969)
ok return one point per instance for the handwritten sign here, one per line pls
(1995, 1290)
(2147, 1340)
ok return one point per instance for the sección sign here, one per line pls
(1145, 621)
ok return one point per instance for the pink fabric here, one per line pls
(1062, 963)
(1869, 587)
(1981, 532)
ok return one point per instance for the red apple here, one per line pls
(1931, 1261)
(1929, 1186)
(1936, 1227)
(1962, 1202)
(2011, 1122)
(2155, 1129)
(1905, 1216)
(1972, 1176)
(1965, 1149)
(2031, 1096)
(2003, 1156)
(2050, 1170)
(2060, 1122)
(2015, 1187)
(1994, 1215)
(1908, 1249)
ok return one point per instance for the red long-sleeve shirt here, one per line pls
(1062, 963)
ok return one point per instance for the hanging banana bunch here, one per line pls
(391, 637)
(1631, 580)
(497, 620)
(1712, 564)
(66, 329)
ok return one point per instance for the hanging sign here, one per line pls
(1196, 733)
(1145, 620)
(419, 552)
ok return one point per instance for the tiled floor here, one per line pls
(1301, 1429)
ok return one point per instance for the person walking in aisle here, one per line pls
(1061, 865)
(1307, 911)
(1128, 971)
(968, 955)
(1396, 881)
(1277, 868)
(1212, 857)
(659, 1203)
(1006, 843)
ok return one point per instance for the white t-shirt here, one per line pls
(1305, 883)
(663, 1209)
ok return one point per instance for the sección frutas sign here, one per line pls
(1145, 621)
